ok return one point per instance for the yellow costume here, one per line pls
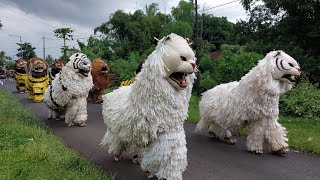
(37, 87)
(21, 81)
(129, 81)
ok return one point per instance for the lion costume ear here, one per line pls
(277, 53)
(167, 38)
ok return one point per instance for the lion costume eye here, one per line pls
(183, 58)
(290, 64)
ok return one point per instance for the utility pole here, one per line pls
(197, 49)
(21, 48)
(44, 48)
(64, 49)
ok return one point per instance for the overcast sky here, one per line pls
(34, 19)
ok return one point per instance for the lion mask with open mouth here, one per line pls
(37, 67)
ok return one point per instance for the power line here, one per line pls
(88, 37)
(220, 5)
(229, 7)
(54, 38)
(38, 43)
(226, 9)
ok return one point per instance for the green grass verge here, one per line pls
(194, 114)
(303, 133)
(28, 149)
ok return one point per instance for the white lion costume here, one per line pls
(252, 102)
(150, 113)
(67, 95)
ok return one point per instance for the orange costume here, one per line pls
(100, 75)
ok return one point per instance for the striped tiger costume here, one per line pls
(67, 94)
(20, 75)
(38, 79)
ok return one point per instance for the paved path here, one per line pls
(208, 159)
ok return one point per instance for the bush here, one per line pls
(206, 82)
(301, 101)
(125, 68)
(230, 66)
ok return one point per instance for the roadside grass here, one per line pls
(194, 114)
(29, 150)
(303, 133)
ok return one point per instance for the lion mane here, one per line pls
(100, 75)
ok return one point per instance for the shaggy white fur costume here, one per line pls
(69, 91)
(149, 114)
(252, 102)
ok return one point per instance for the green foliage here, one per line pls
(97, 48)
(3, 58)
(135, 32)
(185, 12)
(217, 30)
(125, 68)
(50, 59)
(27, 50)
(207, 81)
(65, 33)
(179, 27)
(230, 66)
(302, 101)
(29, 150)
(287, 25)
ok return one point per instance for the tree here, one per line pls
(6, 60)
(290, 25)
(26, 50)
(2, 58)
(152, 9)
(217, 31)
(184, 12)
(179, 27)
(69, 52)
(135, 32)
(49, 59)
(66, 34)
(97, 48)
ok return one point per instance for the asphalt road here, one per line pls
(207, 158)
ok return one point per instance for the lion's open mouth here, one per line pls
(104, 70)
(21, 70)
(292, 78)
(84, 72)
(179, 78)
(38, 70)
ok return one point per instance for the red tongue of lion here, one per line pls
(183, 84)
(182, 81)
